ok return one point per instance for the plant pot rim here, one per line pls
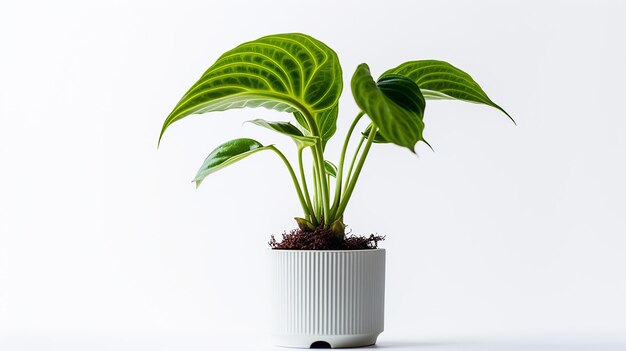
(342, 251)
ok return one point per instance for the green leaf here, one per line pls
(301, 121)
(330, 168)
(378, 138)
(394, 103)
(285, 72)
(288, 129)
(441, 80)
(326, 122)
(304, 225)
(227, 154)
(338, 228)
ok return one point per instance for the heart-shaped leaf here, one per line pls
(288, 129)
(227, 154)
(394, 103)
(441, 80)
(330, 168)
(285, 72)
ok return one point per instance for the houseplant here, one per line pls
(330, 286)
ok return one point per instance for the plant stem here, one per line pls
(321, 178)
(356, 153)
(294, 179)
(357, 171)
(318, 203)
(318, 156)
(304, 186)
(339, 178)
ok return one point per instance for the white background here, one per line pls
(502, 233)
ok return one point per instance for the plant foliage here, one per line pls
(300, 75)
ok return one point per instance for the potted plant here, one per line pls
(328, 286)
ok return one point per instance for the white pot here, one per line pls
(327, 298)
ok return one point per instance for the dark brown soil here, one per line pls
(324, 239)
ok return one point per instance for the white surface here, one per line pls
(337, 297)
(504, 231)
(259, 342)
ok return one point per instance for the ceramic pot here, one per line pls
(327, 298)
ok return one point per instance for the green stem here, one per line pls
(318, 203)
(318, 156)
(341, 163)
(357, 171)
(294, 178)
(356, 153)
(305, 189)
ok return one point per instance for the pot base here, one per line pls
(308, 341)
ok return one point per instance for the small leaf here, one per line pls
(394, 104)
(441, 80)
(288, 129)
(304, 225)
(227, 154)
(378, 138)
(326, 122)
(301, 121)
(339, 228)
(330, 168)
(285, 72)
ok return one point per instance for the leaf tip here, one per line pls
(506, 113)
(427, 143)
(364, 66)
(511, 118)
(165, 125)
(160, 137)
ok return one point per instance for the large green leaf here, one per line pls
(394, 103)
(441, 80)
(227, 154)
(285, 72)
(288, 129)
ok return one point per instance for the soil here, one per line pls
(324, 239)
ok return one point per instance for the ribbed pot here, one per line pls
(327, 298)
